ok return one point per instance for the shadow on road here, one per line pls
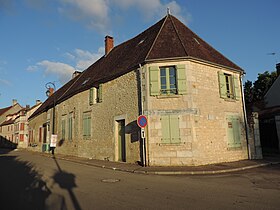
(66, 181)
(21, 187)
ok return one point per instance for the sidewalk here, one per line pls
(174, 170)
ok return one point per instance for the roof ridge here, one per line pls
(178, 35)
(156, 38)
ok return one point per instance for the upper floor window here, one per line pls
(95, 95)
(167, 80)
(168, 84)
(229, 86)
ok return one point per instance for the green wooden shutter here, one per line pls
(99, 94)
(181, 79)
(63, 129)
(234, 137)
(237, 90)
(174, 128)
(230, 131)
(222, 85)
(90, 96)
(88, 126)
(154, 81)
(84, 126)
(165, 129)
(236, 132)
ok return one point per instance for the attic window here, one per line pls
(196, 40)
(84, 82)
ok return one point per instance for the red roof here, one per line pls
(167, 39)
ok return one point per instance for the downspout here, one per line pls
(245, 119)
(142, 112)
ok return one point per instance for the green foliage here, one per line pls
(256, 91)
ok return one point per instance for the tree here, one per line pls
(255, 92)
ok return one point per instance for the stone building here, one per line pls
(7, 118)
(269, 117)
(189, 92)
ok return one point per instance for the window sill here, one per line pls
(230, 99)
(234, 148)
(171, 144)
(167, 96)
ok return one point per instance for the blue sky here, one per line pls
(46, 40)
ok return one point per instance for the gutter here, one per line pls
(245, 118)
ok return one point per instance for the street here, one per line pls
(32, 181)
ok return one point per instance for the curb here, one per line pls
(223, 171)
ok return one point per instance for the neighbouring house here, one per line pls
(190, 93)
(15, 128)
(21, 125)
(7, 117)
(269, 117)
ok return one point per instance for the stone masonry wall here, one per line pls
(119, 101)
(202, 120)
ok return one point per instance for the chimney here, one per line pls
(75, 74)
(38, 102)
(278, 69)
(109, 44)
(14, 102)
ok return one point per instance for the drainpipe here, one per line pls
(142, 112)
(245, 119)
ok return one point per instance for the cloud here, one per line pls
(62, 71)
(98, 14)
(151, 8)
(93, 12)
(85, 58)
(82, 60)
(32, 68)
(5, 82)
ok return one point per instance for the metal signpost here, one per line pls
(142, 123)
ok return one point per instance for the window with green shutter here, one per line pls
(91, 90)
(63, 128)
(99, 94)
(233, 131)
(170, 129)
(86, 125)
(95, 95)
(229, 86)
(167, 80)
(70, 126)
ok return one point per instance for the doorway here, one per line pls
(121, 140)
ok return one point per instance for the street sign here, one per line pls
(142, 121)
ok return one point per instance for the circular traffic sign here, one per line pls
(142, 121)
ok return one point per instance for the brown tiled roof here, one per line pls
(167, 39)
(8, 122)
(3, 110)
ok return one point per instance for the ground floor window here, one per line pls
(233, 131)
(170, 129)
(86, 125)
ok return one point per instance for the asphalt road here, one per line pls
(31, 181)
